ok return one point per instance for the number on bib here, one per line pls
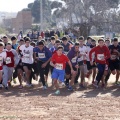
(74, 60)
(26, 57)
(41, 55)
(100, 57)
(59, 66)
(8, 60)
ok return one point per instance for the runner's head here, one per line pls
(89, 39)
(101, 42)
(93, 42)
(77, 47)
(64, 40)
(1, 46)
(27, 41)
(33, 44)
(9, 46)
(14, 40)
(53, 40)
(21, 42)
(5, 39)
(115, 41)
(81, 40)
(107, 42)
(57, 43)
(40, 45)
(60, 50)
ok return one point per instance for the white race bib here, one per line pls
(8, 60)
(41, 55)
(74, 60)
(100, 57)
(26, 57)
(59, 66)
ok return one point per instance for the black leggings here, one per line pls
(43, 71)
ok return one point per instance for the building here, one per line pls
(23, 21)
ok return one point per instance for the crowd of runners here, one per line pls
(62, 59)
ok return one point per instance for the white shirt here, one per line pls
(88, 51)
(83, 50)
(27, 53)
(3, 56)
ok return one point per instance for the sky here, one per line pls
(13, 5)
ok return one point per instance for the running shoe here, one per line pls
(82, 86)
(44, 88)
(57, 92)
(95, 84)
(70, 88)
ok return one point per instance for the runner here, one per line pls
(5, 40)
(2, 58)
(82, 61)
(102, 54)
(114, 62)
(89, 39)
(66, 45)
(14, 43)
(43, 55)
(59, 61)
(27, 59)
(73, 57)
(91, 69)
(107, 42)
(10, 63)
(52, 43)
(54, 48)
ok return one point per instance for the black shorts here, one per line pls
(114, 65)
(29, 66)
(89, 66)
(80, 63)
(68, 70)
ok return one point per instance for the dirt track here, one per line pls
(36, 104)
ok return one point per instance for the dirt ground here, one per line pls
(82, 104)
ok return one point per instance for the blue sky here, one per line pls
(13, 5)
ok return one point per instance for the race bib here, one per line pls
(113, 57)
(41, 55)
(8, 60)
(59, 66)
(100, 57)
(74, 60)
(26, 57)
